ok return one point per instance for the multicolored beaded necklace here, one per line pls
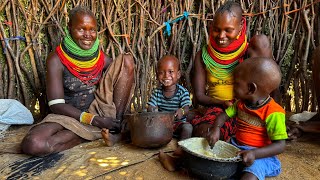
(86, 65)
(222, 61)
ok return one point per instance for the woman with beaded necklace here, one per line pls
(80, 107)
(214, 64)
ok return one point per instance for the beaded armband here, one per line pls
(86, 118)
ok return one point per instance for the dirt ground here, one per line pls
(94, 160)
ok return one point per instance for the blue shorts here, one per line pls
(261, 168)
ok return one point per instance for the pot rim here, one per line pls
(149, 113)
(184, 144)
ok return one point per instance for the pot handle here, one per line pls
(149, 122)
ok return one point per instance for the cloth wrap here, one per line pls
(102, 105)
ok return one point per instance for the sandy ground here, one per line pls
(94, 160)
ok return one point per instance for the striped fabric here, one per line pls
(180, 99)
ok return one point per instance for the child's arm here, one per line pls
(182, 112)
(275, 148)
(214, 132)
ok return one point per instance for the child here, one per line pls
(169, 97)
(172, 96)
(260, 120)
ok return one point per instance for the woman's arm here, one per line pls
(54, 80)
(107, 62)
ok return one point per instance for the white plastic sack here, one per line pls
(304, 116)
(13, 112)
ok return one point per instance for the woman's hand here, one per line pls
(106, 122)
(248, 157)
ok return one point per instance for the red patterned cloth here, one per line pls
(227, 130)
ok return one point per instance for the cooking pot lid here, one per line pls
(222, 151)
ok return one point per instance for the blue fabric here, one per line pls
(13, 112)
(261, 168)
(6, 41)
(180, 99)
(167, 30)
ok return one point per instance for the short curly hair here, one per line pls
(231, 6)
(79, 10)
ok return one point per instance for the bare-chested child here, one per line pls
(169, 97)
(260, 120)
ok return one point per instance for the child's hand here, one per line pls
(179, 113)
(228, 103)
(152, 109)
(248, 157)
(213, 135)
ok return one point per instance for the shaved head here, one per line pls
(169, 58)
(264, 72)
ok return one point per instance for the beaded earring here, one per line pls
(238, 35)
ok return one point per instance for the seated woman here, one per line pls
(212, 76)
(212, 79)
(80, 109)
(313, 125)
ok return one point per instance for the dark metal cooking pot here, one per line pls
(219, 162)
(208, 169)
(150, 129)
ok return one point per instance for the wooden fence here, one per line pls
(30, 29)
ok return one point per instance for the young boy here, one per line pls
(172, 96)
(260, 120)
(169, 97)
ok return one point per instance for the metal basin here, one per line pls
(150, 129)
(221, 162)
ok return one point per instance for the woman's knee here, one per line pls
(187, 127)
(34, 145)
(201, 130)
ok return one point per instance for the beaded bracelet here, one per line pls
(86, 118)
(182, 111)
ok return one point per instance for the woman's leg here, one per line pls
(123, 87)
(48, 138)
(201, 125)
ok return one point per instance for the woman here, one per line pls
(212, 74)
(214, 64)
(81, 109)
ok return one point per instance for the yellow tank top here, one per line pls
(221, 89)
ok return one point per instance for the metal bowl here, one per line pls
(150, 129)
(220, 162)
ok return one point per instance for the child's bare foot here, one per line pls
(178, 152)
(167, 161)
(108, 138)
